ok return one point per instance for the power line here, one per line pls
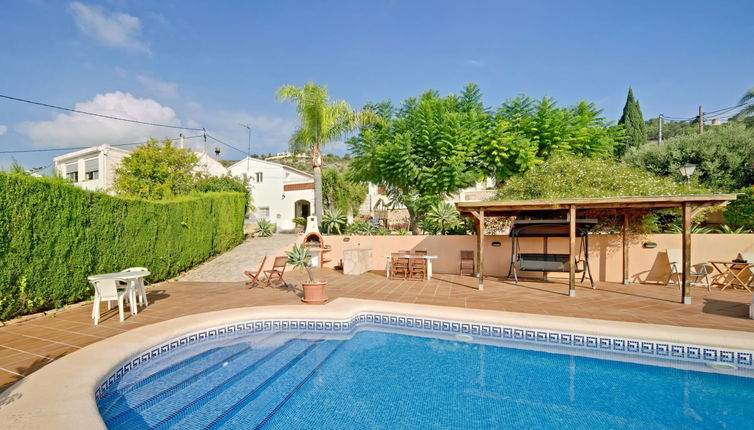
(98, 114)
(80, 147)
(227, 144)
(715, 114)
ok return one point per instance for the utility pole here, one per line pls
(659, 130)
(248, 151)
(701, 120)
(181, 140)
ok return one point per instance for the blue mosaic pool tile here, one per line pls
(661, 349)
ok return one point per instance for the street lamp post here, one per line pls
(687, 170)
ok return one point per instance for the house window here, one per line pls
(91, 169)
(72, 171)
(264, 212)
(259, 177)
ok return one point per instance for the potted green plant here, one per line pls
(314, 291)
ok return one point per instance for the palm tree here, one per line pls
(322, 121)
(748, 109)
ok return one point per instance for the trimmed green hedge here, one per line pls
(53, 235)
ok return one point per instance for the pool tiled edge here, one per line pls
(571, 340)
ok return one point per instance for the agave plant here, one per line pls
(265, 228)
(726, 229)
(362, 227)
(696, 228)
(443, 217)
(299, 258)
(334, 220)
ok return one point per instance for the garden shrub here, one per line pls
(724, 156)
(740, 212)
(569, 176)
(53, 235)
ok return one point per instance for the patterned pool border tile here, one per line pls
(644, 348)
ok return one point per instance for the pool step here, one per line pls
(193, 367)
(258, 391)
(206, 408)
(185, 362)
(158, 401)
(249, 412)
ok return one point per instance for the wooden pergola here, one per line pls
(690, 206)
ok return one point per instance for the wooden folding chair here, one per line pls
(255, 278)
(278, 268)
(467, 262)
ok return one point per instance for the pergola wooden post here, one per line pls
(625, 249)
(480, 249)
(686, 255)
(572, 250)
(479, 215)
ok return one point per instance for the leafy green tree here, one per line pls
(571, 176)
(724, 156)
(156, 171)
(322, 121)
(633, 123)
(423, 151)
(340, 192)
(524, 132)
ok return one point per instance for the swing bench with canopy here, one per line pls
(549, 262)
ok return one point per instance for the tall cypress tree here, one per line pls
(633, 123)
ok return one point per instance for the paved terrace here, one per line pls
(27, 346)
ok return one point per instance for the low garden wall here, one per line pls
(53, 235)
(605, 252)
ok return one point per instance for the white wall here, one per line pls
(269, 195)
(209, 166)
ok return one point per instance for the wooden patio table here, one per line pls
(730, 273)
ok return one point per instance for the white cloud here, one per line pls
(3, 130)
(118, 30)
(74, 129)
(157, 87)
(474, 63)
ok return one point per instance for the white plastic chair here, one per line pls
(138, 285)
(699, 273)
(106, 290)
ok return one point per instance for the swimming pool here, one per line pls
(383, 371)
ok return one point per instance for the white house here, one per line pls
(377, 200)
(279, 193)
(94, 168)
(209, 166)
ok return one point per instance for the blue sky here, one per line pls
(217, 64)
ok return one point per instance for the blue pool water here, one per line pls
(379, 380)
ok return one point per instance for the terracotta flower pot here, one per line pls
(314, 292)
